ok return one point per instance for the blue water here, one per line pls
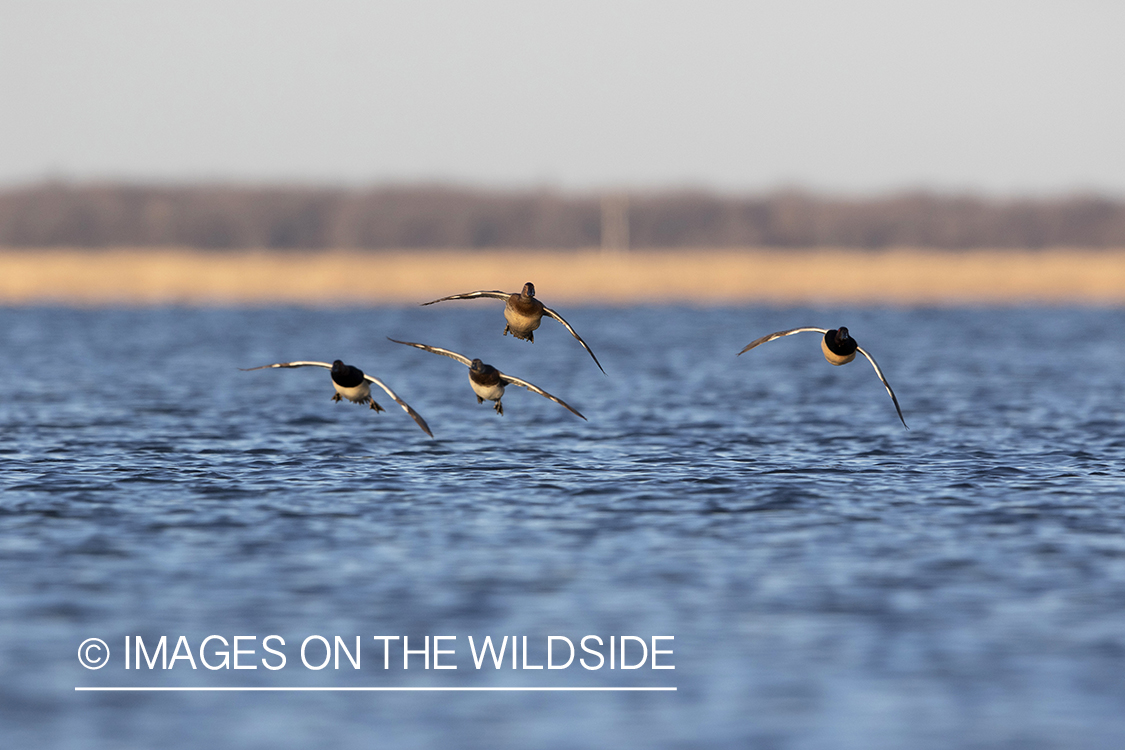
(831, 580)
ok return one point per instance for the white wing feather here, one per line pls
(325, 365)
(493, 294)
(436, 350)
(574, 333)
(886, 385)
(536, 389)
(779, 334)
(413, 414)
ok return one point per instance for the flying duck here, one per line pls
(839, 348)
(488, 382)
(352, 384)
(523, 312)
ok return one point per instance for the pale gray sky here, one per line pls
(1019, 97)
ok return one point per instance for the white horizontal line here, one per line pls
(376, 689)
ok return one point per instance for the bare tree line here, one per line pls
(223, 216)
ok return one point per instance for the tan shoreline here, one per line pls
(140, 276)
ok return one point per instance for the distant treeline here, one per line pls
(220, 217)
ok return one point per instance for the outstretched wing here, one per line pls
(494, 294)
(885, 383)
(536, 389)
(778, 335)
(436, 350)
(413, 414)
(325, 365)
(556, 316)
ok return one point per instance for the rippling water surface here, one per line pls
(831, 580)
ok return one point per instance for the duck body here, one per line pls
(838, 347)
(351, 384)
(523, 314)
(486, 383)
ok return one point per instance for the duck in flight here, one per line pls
(523, 312)
(488, 382)
(839, 348)
(351, 383)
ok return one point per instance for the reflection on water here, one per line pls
(831, 579)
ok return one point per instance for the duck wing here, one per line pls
(574, 333)
(779, 334)
(406, 407)
(536, 389)
(436, 350)
(325, 365)
(885, 383)
(494, 294)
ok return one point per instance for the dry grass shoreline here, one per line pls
(146, 276)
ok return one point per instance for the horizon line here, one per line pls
(638, 189)
(380, 689)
